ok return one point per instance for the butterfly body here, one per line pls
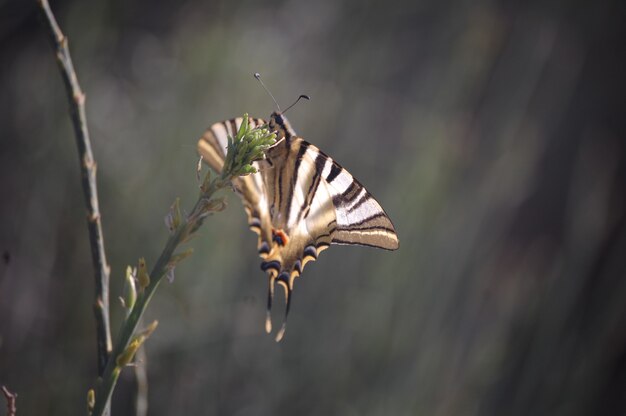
(299, 203)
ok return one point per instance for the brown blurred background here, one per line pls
(492, 133)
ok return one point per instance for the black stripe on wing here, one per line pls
(294, 177)
(360, 218)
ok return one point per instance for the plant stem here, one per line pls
(141, 375)
(160, 269)
(88, 174)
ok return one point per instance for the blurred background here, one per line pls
(492, 133)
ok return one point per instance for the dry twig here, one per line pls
(88, 173)
(11, 397)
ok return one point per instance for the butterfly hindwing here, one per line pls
(300, 205)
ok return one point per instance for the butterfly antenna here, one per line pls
(281, 332)
(270, 296)
(296, 102)
(258, 78)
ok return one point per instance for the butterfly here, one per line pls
(299, 203)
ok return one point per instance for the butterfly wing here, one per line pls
(360, 218)
(302, 214)
(314, 202)
(213, 146)
(317, 202)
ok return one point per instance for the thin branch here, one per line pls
(11, 397)
(88, 173)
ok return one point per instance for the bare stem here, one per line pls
(141, 400)
(88, 174)
(161, 268)
(11, 397)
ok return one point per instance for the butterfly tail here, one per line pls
(270, 297)
(288, 292)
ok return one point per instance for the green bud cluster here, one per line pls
(248, 146)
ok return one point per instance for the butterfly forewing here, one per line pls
(360, 218)
(213, 146)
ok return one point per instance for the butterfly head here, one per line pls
(279, 124)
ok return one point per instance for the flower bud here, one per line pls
(142, 274)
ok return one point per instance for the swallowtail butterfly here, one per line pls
(299, 202)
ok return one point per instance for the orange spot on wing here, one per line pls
(280, 237)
